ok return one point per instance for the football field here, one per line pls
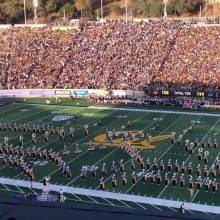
(158, 124)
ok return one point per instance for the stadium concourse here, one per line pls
(114, 56)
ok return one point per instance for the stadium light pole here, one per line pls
(25, 15)
(165, 9)
(102, 11)
(126, 3)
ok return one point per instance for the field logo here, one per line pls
(135, 142)
(62, 118)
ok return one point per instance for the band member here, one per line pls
(148, 164)
(173, 138)
(203, 143)
(121, 165)
(158, 178)
(144, 176)
(128, 124)
(214, 186)
(34, 139)
(155, 165)
(191, 148)
(196, 142)
(71, 131)
(213, 173)
(104, 172)
(199, 156)
(162, 166)
(53, 132)
(199, 182)
(114, 181)
(180, 140)
(176, 166)
(174, 179)
(215, 143)
(38, 129)
(187, 145)
(207, 184)
(6, 140)
(169, 166)
(22, 151)
(205, 159)
(46, 180)
(102, 183)
(124, 179)
(142, 163)
(83, 172)
(57, 130)
(113, 168)
(86, 130)
(190, 169)
(182, 180)
(61, 133)
(205, 171)
(134, 178)
(209, 143)
(21, 140)
(166, 178)
(132, 164)
(183, 167)
(4, 159)
(46, 136)
(68, 172)
(28, 152)
(198, 170)
(191, 182)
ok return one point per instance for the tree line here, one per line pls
(12, 11)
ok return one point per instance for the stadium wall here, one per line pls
(16, 93)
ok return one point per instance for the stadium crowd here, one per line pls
(114, 56)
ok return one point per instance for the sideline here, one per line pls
(111, 195)
(182, 112)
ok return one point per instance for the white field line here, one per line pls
(55, 140)
(90, 134)
(165, 152)
(149, 125)
(115, 196)
(205, 178)
(188, 157)
(139, 118)
(156, 111)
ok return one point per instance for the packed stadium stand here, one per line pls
(114, 56)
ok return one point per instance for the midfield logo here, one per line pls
(136, 141)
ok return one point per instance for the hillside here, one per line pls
(53, 10)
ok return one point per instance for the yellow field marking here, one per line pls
(136, 142)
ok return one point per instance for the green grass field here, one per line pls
(209, 127)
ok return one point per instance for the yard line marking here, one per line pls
(156, 111)
(206, 177)
(78, 198)
(20, 189)
(115, 196)
(6, 187)
(124, 203)
(140, 205)
(156, 207)
(107, 154)
(130, 159)
(69, 162)
(188, 158)
(165, 152)
(108, 201)
(55, 140)
(92, 199)
(172, 209)
(93, 165)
